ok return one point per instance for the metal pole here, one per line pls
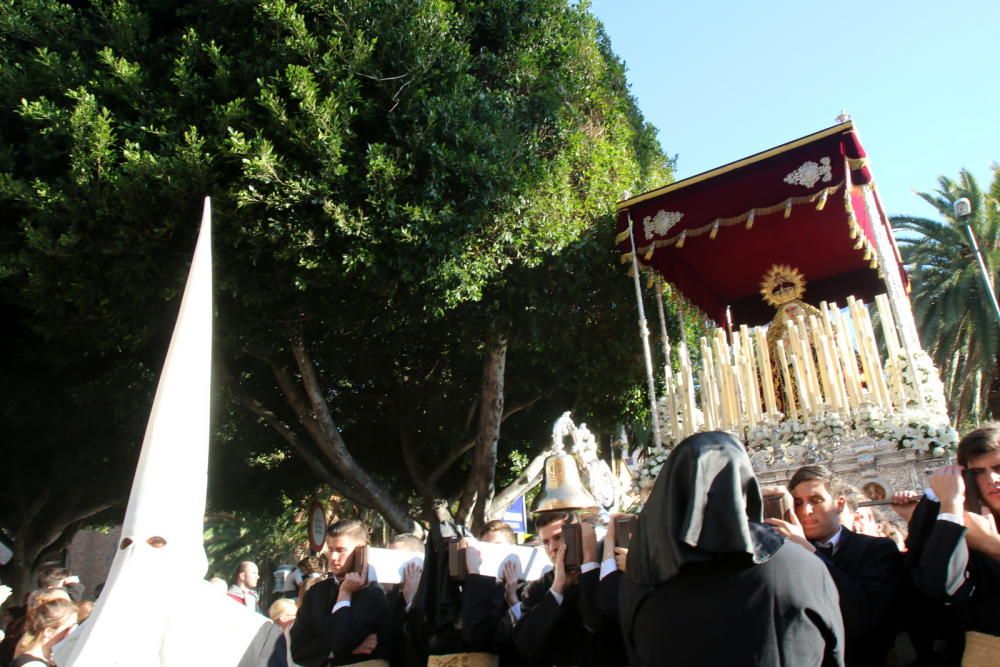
(644, 335)
(982, 269)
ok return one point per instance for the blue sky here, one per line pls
(725, 79)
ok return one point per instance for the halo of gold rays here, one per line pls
(781, 284)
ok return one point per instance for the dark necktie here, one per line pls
(826, 551)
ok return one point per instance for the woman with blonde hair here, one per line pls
(48, 624)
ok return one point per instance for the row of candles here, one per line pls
(821, 368)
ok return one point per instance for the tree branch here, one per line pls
(529, 477)
(448, 461)
(471, 413)
(457, 453)
(517, 408)
(292, 438)
(424, 483)
(62, 523)
(333, 446)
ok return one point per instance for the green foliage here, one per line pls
(957, 322)
(392, 180)
(275, 537)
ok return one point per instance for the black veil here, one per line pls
(706, 503)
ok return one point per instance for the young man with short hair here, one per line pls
(867, 570)
(487, 599)
(960, 560)
(341, 616)
(558, 619)
(497, 532)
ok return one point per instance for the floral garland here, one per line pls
(923, 431)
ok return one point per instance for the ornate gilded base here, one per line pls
(878, 469)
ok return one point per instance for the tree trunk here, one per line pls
(479, 490)
(48, 524)
(993, 397)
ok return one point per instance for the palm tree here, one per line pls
(955, 315)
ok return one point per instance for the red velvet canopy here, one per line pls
(715, 235)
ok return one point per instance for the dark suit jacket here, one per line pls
(318, 633)
(933, 625)
(573, 633)
(868, 572)
(487, 625)
(399, 634)
(948, 570)
(267, 649)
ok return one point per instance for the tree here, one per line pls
(412, 220)
(953, 308)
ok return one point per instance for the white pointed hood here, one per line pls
(157, 574)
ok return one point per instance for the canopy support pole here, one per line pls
(644, 336)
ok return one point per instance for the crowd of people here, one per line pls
(48, 614)
(706, 579)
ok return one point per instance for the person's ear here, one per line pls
(841, 503)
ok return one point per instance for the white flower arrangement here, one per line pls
(930, 384)
(766, 435)
(871, 421)
(924, 431)
(667, 436)
(651, 463)
(793, 431)
(828, 428)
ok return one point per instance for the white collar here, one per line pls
(834, 539)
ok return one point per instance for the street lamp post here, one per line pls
(963, 210)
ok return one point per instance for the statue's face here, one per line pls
(792, 310)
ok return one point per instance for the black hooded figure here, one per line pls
(708, 584)
(434, 621)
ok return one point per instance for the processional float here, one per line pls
(814, 355)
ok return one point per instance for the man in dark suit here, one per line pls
(867, 570)
(402, 648)
(558, 622)
(486, 600)
(959, 558)
(341, 616)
